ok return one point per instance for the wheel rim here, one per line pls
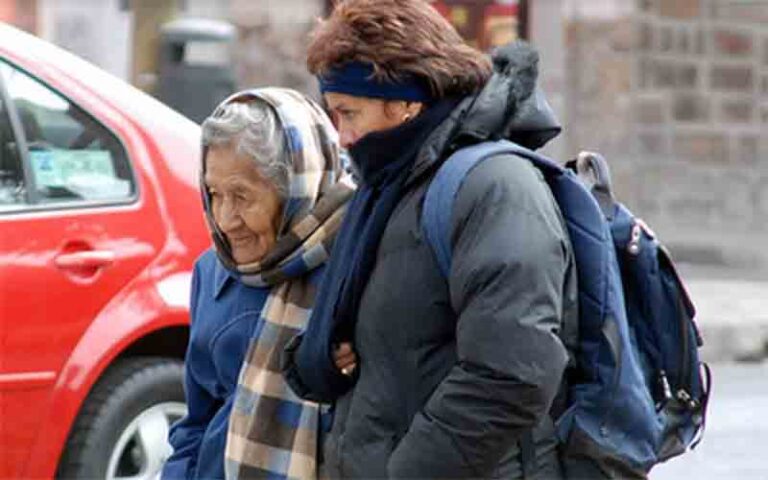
(142, 448)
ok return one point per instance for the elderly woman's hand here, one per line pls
(345, 358)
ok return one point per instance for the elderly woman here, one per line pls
(273, 195)
(442, 376)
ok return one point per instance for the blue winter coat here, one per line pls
(224, 314)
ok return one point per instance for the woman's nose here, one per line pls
(228, 218)
(346, 137)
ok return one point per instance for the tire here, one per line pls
(122, 428)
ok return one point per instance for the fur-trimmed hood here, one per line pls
(509, 106)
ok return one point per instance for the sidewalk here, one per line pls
(732, 312)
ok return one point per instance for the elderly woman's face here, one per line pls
(245, 205)
(354, 117)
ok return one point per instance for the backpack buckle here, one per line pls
(634, 239)
(638, 227)
(666, 390)
(686, 399)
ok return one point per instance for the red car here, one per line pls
(101, 221)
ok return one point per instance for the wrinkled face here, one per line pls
(245, 205)
(354, 117)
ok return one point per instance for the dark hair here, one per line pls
(400, 38)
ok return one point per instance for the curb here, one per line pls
(732, 316)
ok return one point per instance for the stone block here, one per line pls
(732, 43)
(726, 77)
(738, 198)
(747, 149)
(690, 108)
(684, 41)
(680, 9)
(765, 51)
(651, 143)
(761, 202)
(623, 33)
(690, 193)
(664, 74)
(687, 76)
(645, 36)
(649, 111)
(700, 41)
(648, 205)
(736, 111)
(666, 38)
(701, 147)
(645, 73)
(741, 12)
(616, 74)
(668, 74)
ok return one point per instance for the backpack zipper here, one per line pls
(633, 247)
(683, 387)
(666, 390)
(682, 394)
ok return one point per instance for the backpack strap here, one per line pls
(436, 216)
(438, 202)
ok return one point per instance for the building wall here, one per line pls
(544, 30)
(214, 9)
(676, 95)
(103, 31)
(97, 30)
(22, 14)
(272, 42)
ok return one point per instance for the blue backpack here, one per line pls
(639, 394)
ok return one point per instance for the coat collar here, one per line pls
(222, 277)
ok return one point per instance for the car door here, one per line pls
(77, 224)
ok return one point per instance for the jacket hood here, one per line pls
(510, 106)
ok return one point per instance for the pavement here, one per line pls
(732, 311)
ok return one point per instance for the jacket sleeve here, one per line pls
(509, 264)
(186, 435)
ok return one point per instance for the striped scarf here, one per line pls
(272, 433)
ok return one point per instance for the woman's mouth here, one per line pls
(240, 241)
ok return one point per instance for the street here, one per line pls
(735, 440)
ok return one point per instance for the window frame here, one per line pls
(20, 142)
(31, 195)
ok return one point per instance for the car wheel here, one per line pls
(122, 429)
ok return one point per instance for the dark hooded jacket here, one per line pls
(452, 374)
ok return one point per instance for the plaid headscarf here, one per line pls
(272, 432)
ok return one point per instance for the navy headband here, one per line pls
(356, 78)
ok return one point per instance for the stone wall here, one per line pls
(273, 40)
(675, 93)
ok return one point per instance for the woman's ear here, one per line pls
(402, 110)
(413, 108)
(395, 109)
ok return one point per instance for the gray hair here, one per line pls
(253, 129)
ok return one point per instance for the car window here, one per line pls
(70, 157)
(11, 171)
